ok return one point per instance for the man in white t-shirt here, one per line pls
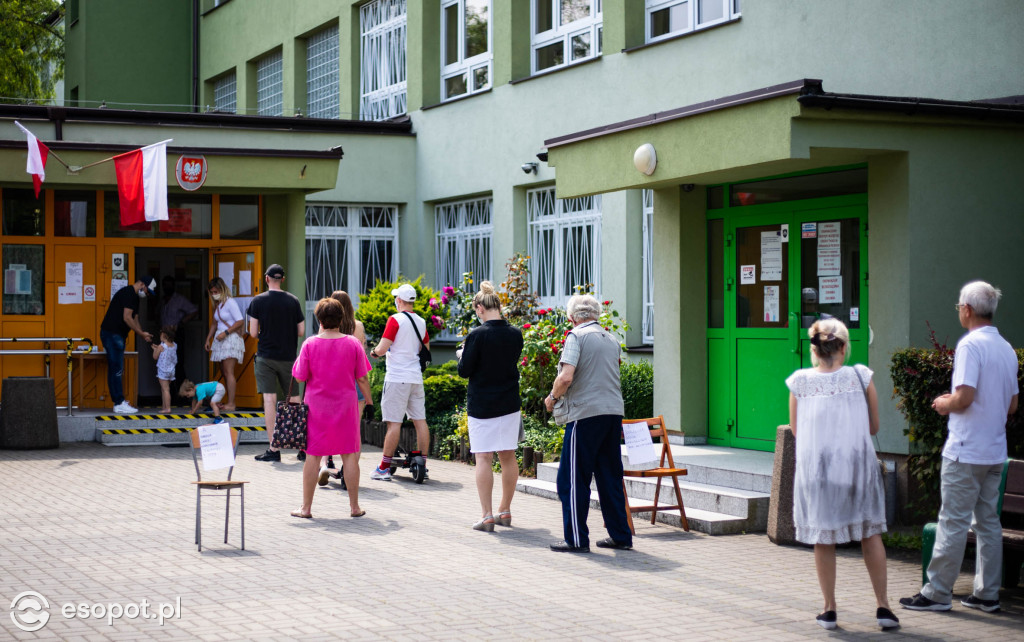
(984, 393)
(403, 380)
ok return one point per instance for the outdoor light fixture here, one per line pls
(529, 168)
(645, 159)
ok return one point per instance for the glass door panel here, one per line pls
(242, 269)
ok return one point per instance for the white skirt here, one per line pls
(494, 434)
(232, 347)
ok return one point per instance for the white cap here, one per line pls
(405, 292)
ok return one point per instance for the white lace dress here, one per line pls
(837, 493)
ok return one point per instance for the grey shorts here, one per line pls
(401, 399)
(271, 373)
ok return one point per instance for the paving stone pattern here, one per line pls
(98, 524)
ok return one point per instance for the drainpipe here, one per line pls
(195, 55)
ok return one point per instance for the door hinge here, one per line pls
(729, 424)
(728, 240)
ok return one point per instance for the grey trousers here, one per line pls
(967, 489)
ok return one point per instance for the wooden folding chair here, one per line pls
(658, 430)
(226, 486)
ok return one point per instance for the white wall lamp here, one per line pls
(645, 159)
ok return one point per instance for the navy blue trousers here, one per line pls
(591, 450)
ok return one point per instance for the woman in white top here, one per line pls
(837, 492)
(224, 341)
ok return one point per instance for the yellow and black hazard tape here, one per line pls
(156, 431)
(229, 415)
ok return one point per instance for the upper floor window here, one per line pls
(666, 18)
(382, 77)
(322, 74)
(269, 85)
(564, 244)
(224, 94)
(466, 47)
(648, 258)
(564, 32)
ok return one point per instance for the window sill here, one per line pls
(641, 349)
(680, 36)
(542, 74)
(457, 99)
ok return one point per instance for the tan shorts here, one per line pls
(401, 399)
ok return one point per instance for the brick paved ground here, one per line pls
(99, 524)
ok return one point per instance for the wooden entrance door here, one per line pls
(242, 269)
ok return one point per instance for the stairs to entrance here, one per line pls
(151, 428)
(725, 490)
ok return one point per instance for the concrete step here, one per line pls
(702, 521)
(729, 467)
(150, 429)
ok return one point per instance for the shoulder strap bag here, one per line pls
(866, 403)
(424, 352)
(291, 428)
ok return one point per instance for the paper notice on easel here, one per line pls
(829, 249)
(830, 289)
(215, 446)
(771, 256)
(226, 271)
(639, 445)
(73, 275)
(771, 304)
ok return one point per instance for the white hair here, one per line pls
(982, 297)
(583, 307)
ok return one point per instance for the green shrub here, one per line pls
(444, 428)
(446, 368)
(637, 381)
(443, 394)
(545, 437)
(378, 304)
(376, 379)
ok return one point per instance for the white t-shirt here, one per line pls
(227, 314)
(984, 361)
(403, 358)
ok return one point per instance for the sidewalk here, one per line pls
(94, 524)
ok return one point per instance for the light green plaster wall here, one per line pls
(622, 258)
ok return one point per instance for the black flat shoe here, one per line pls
(886, 618)
(610, 543)
(565, 547)
(827, 620)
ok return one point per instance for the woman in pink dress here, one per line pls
(332, 364)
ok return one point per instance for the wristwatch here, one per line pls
(553, 397)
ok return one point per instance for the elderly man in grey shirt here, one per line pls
(587, 398)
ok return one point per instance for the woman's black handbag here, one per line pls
(424, 350)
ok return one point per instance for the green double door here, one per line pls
(773, 271)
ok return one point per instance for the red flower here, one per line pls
(554, 347)
(607, 303)
(567, 333)
(527, 326)
(542, 312)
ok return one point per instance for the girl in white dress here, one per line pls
(837, 493)
(224, 341)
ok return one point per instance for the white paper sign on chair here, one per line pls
(639, 445)
(215, 446)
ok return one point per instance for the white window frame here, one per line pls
(270, 85)
(592, 24)
(730, 11)
(383, 68)
(547, 214)
(648, 260)
(322, 60)
(353, 232)
(225, 93)
(459, 223)
(466, 65)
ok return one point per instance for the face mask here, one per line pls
(216, 297)
(142, 293)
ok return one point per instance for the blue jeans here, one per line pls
(114, 345)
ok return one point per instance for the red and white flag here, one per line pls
(37, 153)
(142, 184)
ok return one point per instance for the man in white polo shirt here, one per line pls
(984, 393)
(403, 380)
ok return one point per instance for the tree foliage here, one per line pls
(31, 49)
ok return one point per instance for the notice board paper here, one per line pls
(771, 256)
(73, 275)
(829, 253)
(115, 285)
(830, 289)
(748, 274)
(808, 230)
(226, 271)
(771, 304)
(245, 283)
(88, 292)
(68, 294)
(639, 445)
(215, 446)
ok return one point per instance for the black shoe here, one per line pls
(886, 618)
(270, 455)
(565, 547)
(330, 461)
(988, 606)
(302, 455)
(921, 603)
(610, 543)
(827, 620)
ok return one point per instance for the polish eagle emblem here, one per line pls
(192, 170)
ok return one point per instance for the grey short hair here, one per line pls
(583, 307)
(982, 297)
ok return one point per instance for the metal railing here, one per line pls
(70, 350)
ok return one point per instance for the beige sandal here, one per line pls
(486, 524)
(504, 518)
(299, 513)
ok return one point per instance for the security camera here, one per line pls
(529, 168)
(688, 187)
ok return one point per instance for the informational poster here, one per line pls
(771, 256)
(784, 232)
(17, 280)
(215, 446)
(67, 295)
(89, 293)
(226, 271)
(245, 283)
(73, 275)
(115, 285)
(854, 314)
(830, 259)
(830, 289)
(748, 274)
(639, 445)
(808, 230)
(178, 220)
(771, 304)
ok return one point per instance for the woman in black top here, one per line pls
(490, 360)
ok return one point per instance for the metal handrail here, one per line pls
(68, 352)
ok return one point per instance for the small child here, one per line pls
(210, 393)
(166, 355)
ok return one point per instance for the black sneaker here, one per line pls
(886, 618)
(827, 620)
(302, 455)
(565, 547)
(330, 461)
(988, 606)
(921, 603)
(270, 455)
(611, 543)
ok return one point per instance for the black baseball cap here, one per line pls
(275, 271)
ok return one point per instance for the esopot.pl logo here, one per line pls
(29, 611)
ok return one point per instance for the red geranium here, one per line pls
(527, 326)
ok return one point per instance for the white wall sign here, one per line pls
(830, 289)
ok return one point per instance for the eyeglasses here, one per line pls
(960, 306)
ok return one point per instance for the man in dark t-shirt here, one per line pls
(120, 319)
(277, 321)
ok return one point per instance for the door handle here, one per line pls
(728, 283)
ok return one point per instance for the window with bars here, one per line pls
(564, 32)
(382, 77)
(465, 47)
(463, 236)
(667, 18)
(224, 94)
(322, 92)
(648, 259)
(269, 85)
(348, 247)
(564, 244)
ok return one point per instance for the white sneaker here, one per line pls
(382, 475)
(324, 474)
(125, 408)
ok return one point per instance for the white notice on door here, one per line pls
(771, 256)
(748, 274)
(829, 252)
(771, 304)
(73, 275)
(67, 295)
(226, 271)
(830, 289)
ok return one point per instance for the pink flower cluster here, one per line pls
(436, 320)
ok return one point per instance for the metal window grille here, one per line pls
(348, 247)
(224, 94)
(463, 236)
(269, 87)
(564, 244)
(322, 92)
(648, 258)
(383, 69)
(570, 32)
